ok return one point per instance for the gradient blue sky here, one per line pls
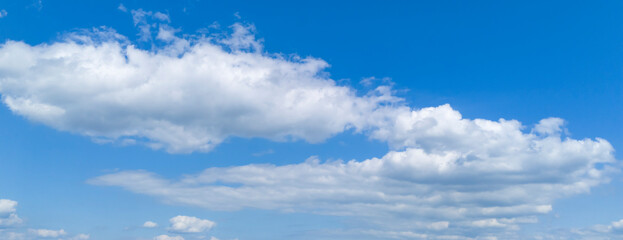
(526, 61)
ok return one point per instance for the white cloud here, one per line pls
(243, 38)
(166, 33)
(618, 225)
(469, 173)
(187, 224)
(150, 224)
(3, 13)
(140, 20)
(7, 206)
(549, 126)
(11, 219)
(166, 237)
(47, 233)
(189, 95)
(8, 215)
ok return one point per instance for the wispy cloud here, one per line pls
(143, 20)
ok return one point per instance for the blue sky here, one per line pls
(317, 120)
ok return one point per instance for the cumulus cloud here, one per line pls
(187, 224)
(3, 13)
(8, 215)
(150, 224)
(188, 95)
(452, 173)
(167, 237)
(7, 206)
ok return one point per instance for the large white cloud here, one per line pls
(454, 175)
(188, 95)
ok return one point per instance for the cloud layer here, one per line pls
(454, 175)
(445, 177)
